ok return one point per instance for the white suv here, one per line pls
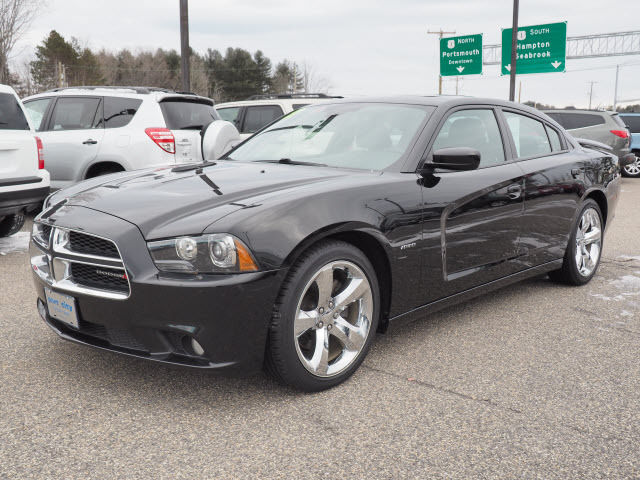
(91, 131)
(258, 111)
(24, 183)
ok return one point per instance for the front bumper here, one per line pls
(228, 315)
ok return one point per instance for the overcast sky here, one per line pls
(364, 47)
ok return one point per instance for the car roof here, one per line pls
(142, 93)
(575, 110)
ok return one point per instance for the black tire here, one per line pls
(635, 168)
(281, 358)
(11, 224)
(569, 272)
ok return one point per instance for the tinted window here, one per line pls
(11, 116)
(554, 138)
(477, 129)
(571, 121)
(74, 113)
(632, 121)
(184, 114)
(230, 114)
(259, 116)
(369, 136)
(528, 134)
(36, 110)
(119, 111)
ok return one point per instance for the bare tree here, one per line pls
(15, 18)
(312, 81)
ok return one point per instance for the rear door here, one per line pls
(186, 117)
(18, 155)
(72, 138)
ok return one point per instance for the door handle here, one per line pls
(90, 141)
(514, 192)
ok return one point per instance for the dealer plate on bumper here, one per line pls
(62, 307)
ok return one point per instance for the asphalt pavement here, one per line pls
(534, 381)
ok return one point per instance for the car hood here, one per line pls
(163, 202)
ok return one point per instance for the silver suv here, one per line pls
(601, 126)
(91, 131)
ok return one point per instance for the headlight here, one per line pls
(215, 253)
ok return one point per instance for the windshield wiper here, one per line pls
(192, 166)
(288, 161)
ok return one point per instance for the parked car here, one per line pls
(632, 121)
(601, 126)
(257, 111)
(298, 245)
(24, 183)
(93, 131)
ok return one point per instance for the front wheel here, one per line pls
(324, 319)
(582, 256)
(633, 169)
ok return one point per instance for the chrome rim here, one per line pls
(633, 168)
(333, 318)
(588, 242)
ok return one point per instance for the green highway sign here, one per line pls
(461, 55)
(540, 49)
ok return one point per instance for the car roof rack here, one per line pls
(142, 90)
(274, 96)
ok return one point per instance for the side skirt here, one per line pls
(420, 312)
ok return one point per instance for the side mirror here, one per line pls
(218, 138)
(455, 158)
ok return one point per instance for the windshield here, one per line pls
(369, 136)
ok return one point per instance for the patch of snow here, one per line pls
(18, 242)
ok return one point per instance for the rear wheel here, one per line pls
(633, 169)
(324, 319)
(582, 256)
(11, 224)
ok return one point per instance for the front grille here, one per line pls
(99, 277)
(46, 232)
(90, 245)
(115, 336)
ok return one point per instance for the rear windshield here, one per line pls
(572, 121)
(185, 114)
(11, 115)
(632, 121)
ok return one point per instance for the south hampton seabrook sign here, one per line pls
(461, 55)
(540, 49)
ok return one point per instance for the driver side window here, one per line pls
(477, 129)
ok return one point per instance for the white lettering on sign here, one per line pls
(538, 31)
(533, 46)
(461, 54)
(466, 40)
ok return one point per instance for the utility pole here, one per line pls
(591, 93)
(457, 78)
(519, 91)
(60, 74)
(440, 34)
(615, 90)
(185, 51)
(514, 53)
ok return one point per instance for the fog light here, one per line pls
(42, 310)
(196, 347)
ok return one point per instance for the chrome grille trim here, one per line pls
(52, 263)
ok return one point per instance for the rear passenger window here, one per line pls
(477, 129)
(119, 111)
(571, 121)
(554, 138)
(259, 116)
(230, 114)
(528, 134)
(75, 113)
(36, 110)
(11, 115)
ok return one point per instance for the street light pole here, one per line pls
(440, 34)
(514, 53)
(184, 45)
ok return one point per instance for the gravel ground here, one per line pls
(534, 381)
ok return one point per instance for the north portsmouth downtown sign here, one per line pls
(461, 55)
(540, 49)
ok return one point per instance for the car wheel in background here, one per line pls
(584, 250)
(324, 319)
(11, 224)
(633, 169)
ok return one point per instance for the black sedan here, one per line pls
(324, 228)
